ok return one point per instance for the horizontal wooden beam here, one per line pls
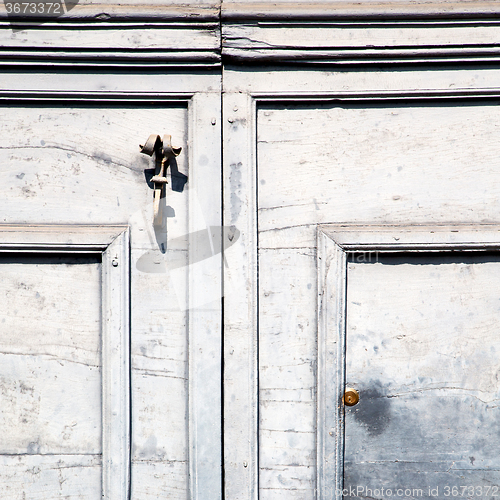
(238, 11)
(166, 11)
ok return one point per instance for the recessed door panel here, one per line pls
(422, 348)
(50, 376)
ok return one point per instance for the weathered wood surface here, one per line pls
(266, 84)
(118, 44)
(49, 153)
(159, 381)
(351, 164)
(139, 10)
(240, 304)
(51, 476)
(81, 165)
(401, 161)
(126, 36)
(349, 36)
(159, 479)
(238, 10)
(37, 283)
(421, 350)
(51, 356)
(349, 42)
(287, 374)
(116, 389)
(103, 10)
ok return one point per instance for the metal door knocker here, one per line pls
(163, 151)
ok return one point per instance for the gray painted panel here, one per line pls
(422, 349)
(50, 359)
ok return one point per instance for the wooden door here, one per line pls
(105, 345)
(337, 165)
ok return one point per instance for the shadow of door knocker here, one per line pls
(163, 151)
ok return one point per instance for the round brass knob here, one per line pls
(351, 397)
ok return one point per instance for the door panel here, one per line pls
(51, 476)
(74, 159)
(71, 162)
(380, 163)
(81, 164)
(352, 162)
(422, 350)
(50, 373)
(51, 350)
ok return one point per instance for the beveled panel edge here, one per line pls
(414, 237)
(58, 237)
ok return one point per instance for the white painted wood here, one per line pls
(105, 35)
(134, 37)
(333, 324)
(362, 42)
(425, 237)
(421, 350)
(36, 477)
(50, 355)
(138, 10)
(79, 340)
(332, 289)
(205, 300)
(159, 350)
(101, 184)
(116, 369)
(402, 165)
(108, 354)
(238, 10)
(170, 480)
(135, 88)
(57, 237)
(159, 354)
(343, 35)
(287, 171)
(240, 305)
(276, 85)
(47, 167)
(287, 374)
(316, 11)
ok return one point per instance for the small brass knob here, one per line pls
(351, 397)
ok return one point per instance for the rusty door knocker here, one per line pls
(163, 151)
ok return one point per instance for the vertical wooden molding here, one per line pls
(332, 288)
(116, 370)
(240, 300)
(205, 300)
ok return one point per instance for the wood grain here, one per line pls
(421, 349)
(316, 166)
(287, 369)
(85, 160)
(51, 355)
(346, 42)
(51, 476)
(399, 160)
